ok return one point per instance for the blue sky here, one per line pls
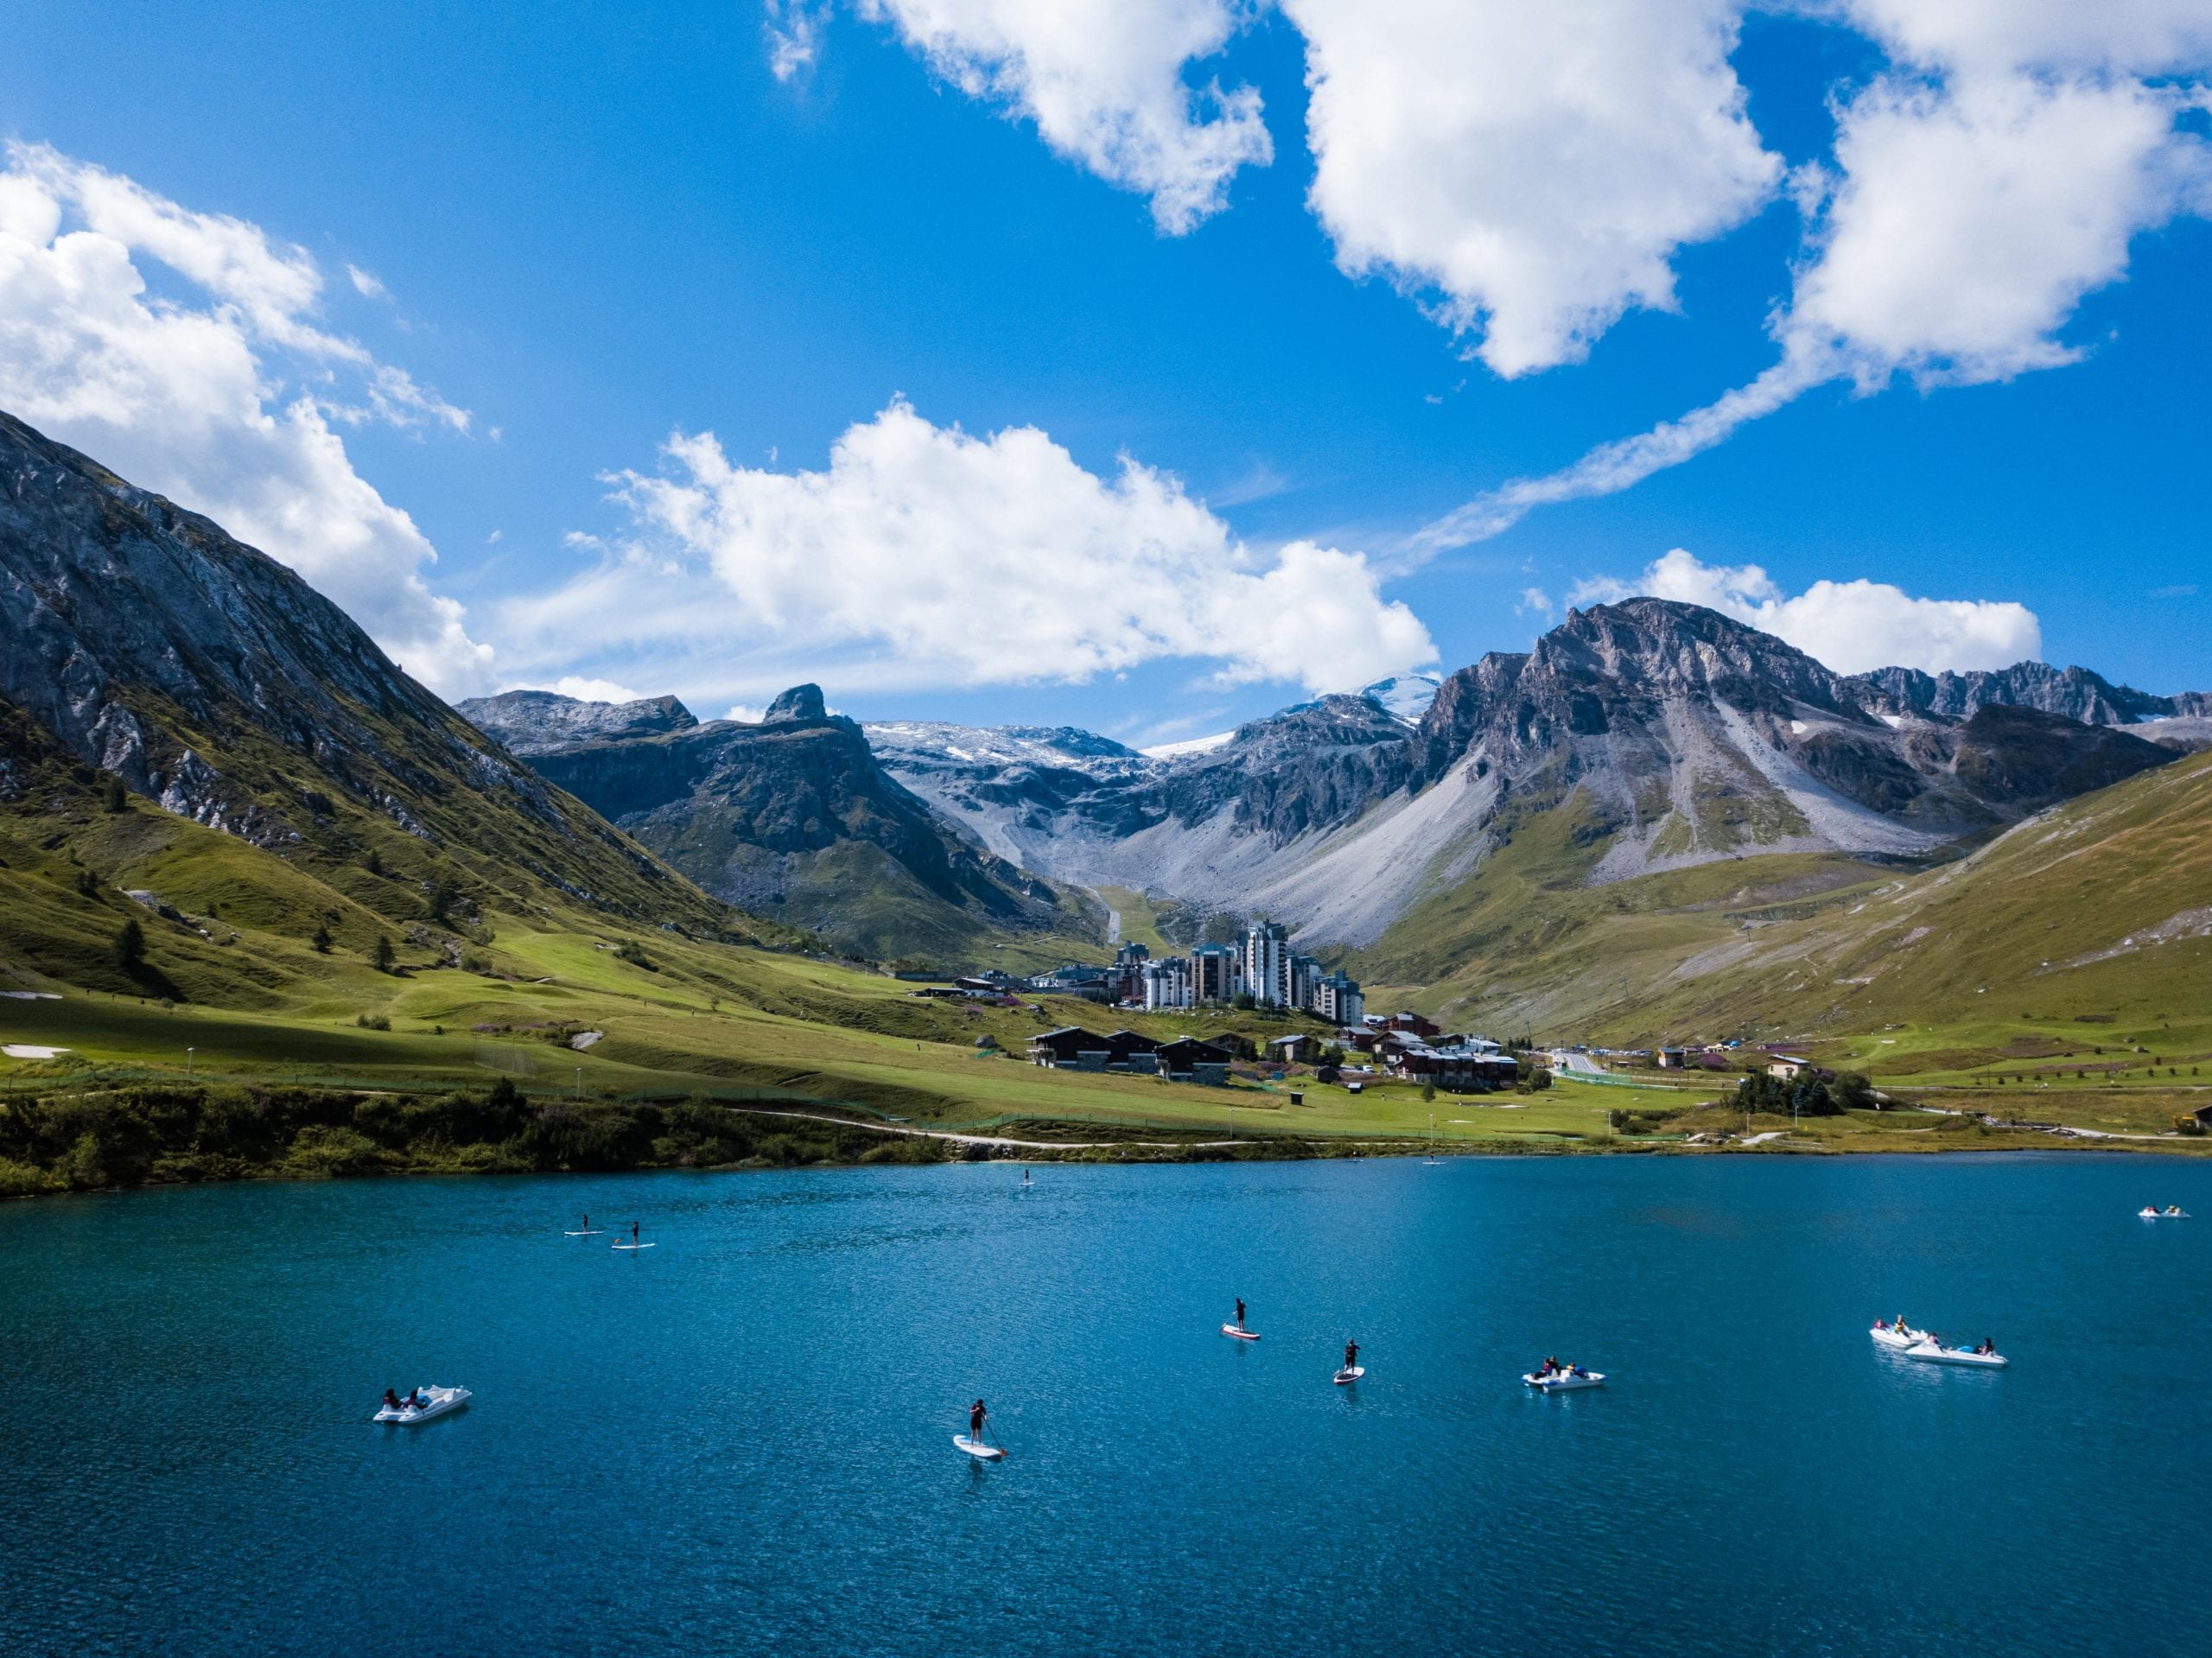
(585, 230)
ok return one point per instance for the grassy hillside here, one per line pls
(1526, 944)
(2097, 912)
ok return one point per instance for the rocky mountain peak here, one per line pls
(537, 722)
(800, 704)
(1665, 647)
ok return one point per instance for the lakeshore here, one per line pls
(113, 1137)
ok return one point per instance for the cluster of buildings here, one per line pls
(1402, 1045)
(1262, 965)
(1408, 1046)
(1185, 1059)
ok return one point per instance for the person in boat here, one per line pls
(1988, 1346)
(1351, 1356)
(1576, 1370)
(975, 1415)
(1240, 1312)
(390, 1399)
(413, 1399)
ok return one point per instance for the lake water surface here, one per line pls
(740, 1439)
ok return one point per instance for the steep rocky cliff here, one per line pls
(205, 675)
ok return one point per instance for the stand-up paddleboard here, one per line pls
(635, 1245)
(594, 1232)
(1351, 1374)
(1241, 1335)
(977, 1449)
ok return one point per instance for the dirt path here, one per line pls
(1000, 1142)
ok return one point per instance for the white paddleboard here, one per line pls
(1353, 1374)
(634, 1245)
(977, 1449)
(596, 1231)
(1241, 1335)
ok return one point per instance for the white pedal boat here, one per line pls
(1890, 1335)
(2163, 1214)
(436, 1401)
(1565, 1381)
(1934, 1352)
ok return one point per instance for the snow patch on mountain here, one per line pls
(1405, 696)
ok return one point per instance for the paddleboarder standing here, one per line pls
(1240, 1312)
(633, 1235)
(975, 1415)
(1351, 1356)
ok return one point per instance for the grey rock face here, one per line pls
(2076, 693)
(140, 634)
(535, 723)
(799, 705)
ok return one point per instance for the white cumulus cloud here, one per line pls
(1994, 176)
(184, 391)
(1853, 627)
(595, 690)
(1533, 168)
(1103, 80)
(924, 556)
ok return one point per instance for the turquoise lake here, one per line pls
(741, 1440)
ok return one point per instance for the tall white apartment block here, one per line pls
(1267, 964)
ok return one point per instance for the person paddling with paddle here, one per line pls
(633, 1235)
(976, 1414)
(1351, 1356)
(1240, 1312)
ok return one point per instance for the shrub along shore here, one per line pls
(169, 1134)
(163, 1133)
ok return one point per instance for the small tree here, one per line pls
(322, 940)
(114, 796)
(1428, 1093)
(373, 862)
(445, 893)
(130, 946)
(381, 956)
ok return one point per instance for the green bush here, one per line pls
(372, 1021)
(20, 1180)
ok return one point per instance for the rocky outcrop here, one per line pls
(2076, 693)
(211, 678)
(537, 722)
(1308, 767)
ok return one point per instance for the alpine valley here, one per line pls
(236, 839)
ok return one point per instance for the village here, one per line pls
(1258, 972)
(1261, 974)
